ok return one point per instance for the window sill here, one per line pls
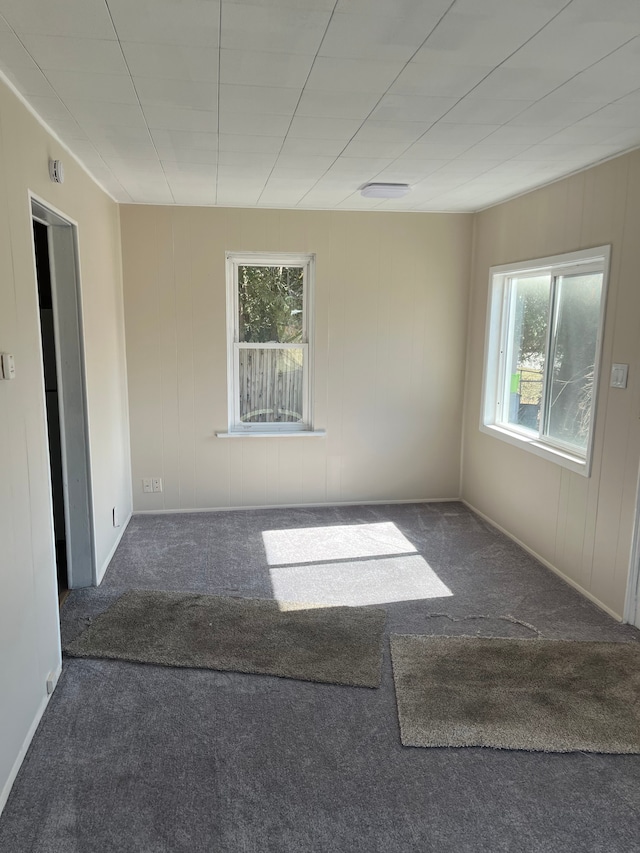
(539, 448)
(301, 433)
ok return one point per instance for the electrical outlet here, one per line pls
(147, 484)
(157, 484)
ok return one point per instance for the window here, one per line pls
(544, 328)
(269, 342)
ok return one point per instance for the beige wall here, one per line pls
(580, 526)
(29, 636)
(390, 314)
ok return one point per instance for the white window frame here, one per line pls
(492, 419)
(234, 260)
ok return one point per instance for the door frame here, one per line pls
(62, 236)
(632, 599)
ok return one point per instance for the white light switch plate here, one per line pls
(619, 373)
(7, 366)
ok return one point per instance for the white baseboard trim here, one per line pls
(8, 785)
(295, 506)
(544, 562)
(105, 565)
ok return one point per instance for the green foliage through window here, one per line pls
(270, 304)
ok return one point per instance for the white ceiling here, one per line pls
(297, 103)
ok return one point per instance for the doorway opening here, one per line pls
(55, 252)
(50, 368)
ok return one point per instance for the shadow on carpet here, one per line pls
(335, 645)
(538, 695)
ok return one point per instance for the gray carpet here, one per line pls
(337, 645)
(546, 695)
(131, 758)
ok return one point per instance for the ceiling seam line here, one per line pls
(135, 89)
(304, 85)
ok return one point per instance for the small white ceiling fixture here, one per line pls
(374, 190)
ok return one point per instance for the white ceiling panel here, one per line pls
(129, 167)
(372, 148)
(31, 81)
(256, 99)
(305, 146)
(571, 45)
(109, 88)
(434, 151)
(150, 191)
(297, 103)
(185, 174)
(406, 132)
(309, 163)
(255, 174)
(322, 198)
(68, 130)
(188, 22)
(254, 124)
(358, 169)
(528, 83)
(174, 118)
(483, 111)
(602, 83)
(13, 54)
(50, 108)
(83, 18)
(258, 68)
(273, 29)
(57, 53)
(323, 128)
(193, 196)
(402, 108)
(242, 160)
(554, 110)
(487, 150)
(179, 94)
(171, 61)
(198, 157)
(624, 138)
(352, 75)
(106, 135)
(309, 5)
(511, 134)
(410, 171)
(95, 113)
(183, 141)
(336, 104)
(435, 74)
(450, 132)
(249, 144)
(377, 38)
(582, 134)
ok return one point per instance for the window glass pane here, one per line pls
(526, 351)
(271, 385)
(270, 304)
(572, 359)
